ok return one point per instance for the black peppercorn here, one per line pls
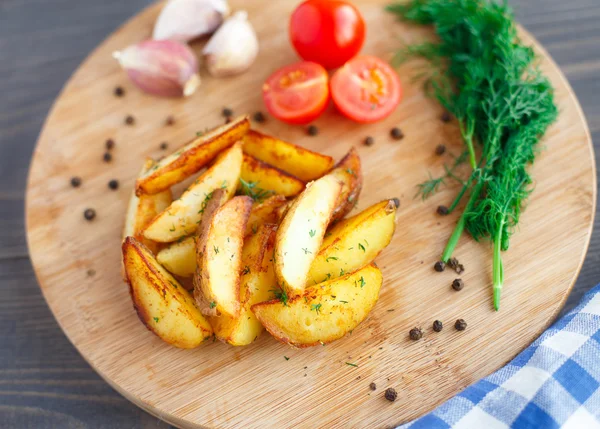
(76, 182)
(312, 130)
(415, 334)
(453, 263)
(227, 112)
(390, 394)
(110, 143)
(119, 91)
(460, 325)
(438, 325)
(397, 133)
(91, 272)
(259, 117)
(460, 268)
(445, 117)
(373, 386)
(129, 120)
(89, 214)
(442, 210)
(369, 141)
(164, 146)
(107, 157)
(113, 184)
(396, 202)
(458, 284)
(440, 150)
(439, 266)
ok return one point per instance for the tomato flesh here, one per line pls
(298, 93)
(328, 32)
(366, 89)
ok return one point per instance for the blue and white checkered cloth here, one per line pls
(554, 383)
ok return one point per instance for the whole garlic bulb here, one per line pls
(184, 20)
(161, 67)
(233, 48)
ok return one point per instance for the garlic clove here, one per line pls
(161, 67)
(233, 48)
(184, 20)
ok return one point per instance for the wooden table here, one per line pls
(43, 380)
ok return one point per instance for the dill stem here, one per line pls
(497, 267)
(463, 190)
(460, 225)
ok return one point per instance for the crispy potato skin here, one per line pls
(270, 178)
(297, 161)
(219, 255)
(301, 232)
(316, 317)
(257, 282)
(182, 217)
(192, 157)
(349, 172)
(265, 212)
(354, 242)
(161, 303)
(179, 257)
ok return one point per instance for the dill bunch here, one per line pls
(482, 73)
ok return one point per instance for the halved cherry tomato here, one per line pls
(328, 32)
(366, 89)
(297, 93)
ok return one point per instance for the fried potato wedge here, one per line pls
(257, 283)
(192, 157)
(297, 161)
(269, 178)
(301, 232)
(143, 209)
(354, 242)
(323, 313)
(179, 257)
(265, 212)
(348, 171)
(182, 217)
(219, 256)
(161, 303)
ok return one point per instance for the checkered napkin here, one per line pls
(554, 383)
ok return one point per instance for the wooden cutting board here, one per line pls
(78, 262)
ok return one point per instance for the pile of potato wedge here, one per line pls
(259, 240)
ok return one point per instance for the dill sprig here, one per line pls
(253, 191)
(481, 72)
(432, 185)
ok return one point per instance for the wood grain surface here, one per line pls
(44, 382)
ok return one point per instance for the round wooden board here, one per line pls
(217, 385)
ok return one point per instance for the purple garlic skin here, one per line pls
(185, 20)
(166, 68)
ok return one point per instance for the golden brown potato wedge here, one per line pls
(179, 257)
(297, 161)
(349, 173)
(323, 313)
(183, 216)
(354, 242)
(162, 304)
(192, 157)
(265, 212)
(219, 256)
(257, 283)
(143, 209)
(301, 232)
(268, 178)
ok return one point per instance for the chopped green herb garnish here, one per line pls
(312, 232)
(327, 277)
(306, 251)
(224, 184)
(254, 228)
(156, 319)
(246, 270)
(333, 258)
(345, 302)
(341, 272)
(216, 249)
(362, 282)
(172, 229)
(281, 295)
(257, 194)
(361, 247)
(316, 307)
(212, 304)
(352, 364)
(351, 172)
(286, 358)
